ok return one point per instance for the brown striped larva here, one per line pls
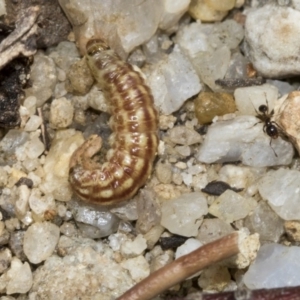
(133, 142)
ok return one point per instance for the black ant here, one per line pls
(270, 127)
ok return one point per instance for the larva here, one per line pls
(134, 139)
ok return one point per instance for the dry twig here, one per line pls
(285, 293)
(187, 265)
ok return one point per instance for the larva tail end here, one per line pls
(95, 45)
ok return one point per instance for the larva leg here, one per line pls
(133, 142)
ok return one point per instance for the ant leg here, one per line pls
(255, 109)
(267, 102)
(272, 147)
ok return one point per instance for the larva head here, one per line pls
(95, 45)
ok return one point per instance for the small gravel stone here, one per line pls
(275, 266)
(240, 177)
(160, 258)
(200, 10)
(68, 229)
(128, 32)
(217, 188)
(213, 229)
(230, 206)
(292, 229)
(19, 277)
(163, 171)
(16, 244)
(211, 66)
(137, 57)
(184, 215)
(4, 237)
(5, 259)
(95, 99)
(173, 81)
(183, 150)
(266, 26)
(166, 122)
(100, 276)
(61, 113)
(208, 105)
(153, 235)
(12, 224)
(80, 78)
(13, 139)
(248, 99)
(281, 189)
(60, 90)
(64, 55)
(40, 240)
(103, 222)
(183, 135)
(134, 248)
(221, 6)
(43, 86)
(30, 104)
(40, 204)
(33, 123)
(56, 166)
(265, 222)
(148, 210)
(3, 177)
(214, 278)
(126, 212)
(34, 148)
(172, 13)
(21, 204)
(288, 118)
(138, 267)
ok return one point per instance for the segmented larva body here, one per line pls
(133, 141)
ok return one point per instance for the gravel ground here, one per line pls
(224, 77)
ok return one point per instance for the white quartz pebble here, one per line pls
(123, 23)
(173, 10)
(243, 138)
(99, 223)
(134, 248)
(231, 206)
(34, 148)
(33, 123)
(19, 277)
(40, 241)
(43, 77)
(266, 26)
(275, 266)
(172, 81)
(187, 247)
(282, 190)
(248, 99)
(138, 267)
(184, 215)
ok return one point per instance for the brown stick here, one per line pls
(285, 293)
(184, 267)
